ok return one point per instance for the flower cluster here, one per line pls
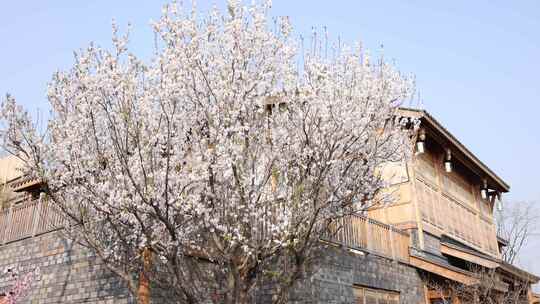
(22, 285)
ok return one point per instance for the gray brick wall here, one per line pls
(339, 270)
(72, 274)
(69, 273)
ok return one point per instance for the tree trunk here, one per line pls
(143, 294)
(243, 297)
(237, 292)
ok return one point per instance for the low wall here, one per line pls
(69, 272)
(72, 274)
(340, 270)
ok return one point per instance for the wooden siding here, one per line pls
(399, 210)
(440, 203)
(10, 168)
(448, 202)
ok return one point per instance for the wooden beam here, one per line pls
(463, 277)
(426, 294)
(520, 273)
(25, 183)
(414, 199)
(445, 249)
(406, 225)
(533, 297)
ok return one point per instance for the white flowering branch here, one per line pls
(220, 156)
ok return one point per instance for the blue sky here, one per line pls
(477, 63)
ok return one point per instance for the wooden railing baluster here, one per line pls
(8, 225)
(36, 216)
(31, 218)
(27, 219)
(391, 236)
(360, 232)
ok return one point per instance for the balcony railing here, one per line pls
(362, 233)
(27, 219)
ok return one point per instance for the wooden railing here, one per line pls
(33, 217)
(27, 219)
(360, 232)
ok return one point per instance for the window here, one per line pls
(364, 295)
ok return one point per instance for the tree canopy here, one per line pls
(227, 155)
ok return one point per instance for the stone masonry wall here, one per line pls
(72, 274)
(340, 270)
(69, 273)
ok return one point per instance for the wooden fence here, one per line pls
(27, 219)
(360, 232)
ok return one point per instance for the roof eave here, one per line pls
(429, 119)
(520, 272)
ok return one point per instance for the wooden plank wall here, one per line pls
(450, 204)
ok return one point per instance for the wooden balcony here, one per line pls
(358, 232)
(28, 218)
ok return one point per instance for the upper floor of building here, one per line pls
(444, 191)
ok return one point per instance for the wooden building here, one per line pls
(435, 243)
(445, 198)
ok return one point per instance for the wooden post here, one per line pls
(3, 225)
(392, 245)
(8, 224)
(369, 243)
(530, 297)
(414, 199)
(426, 294)
(345, 241)
(36, 215)
(455, 299)
(143, 294)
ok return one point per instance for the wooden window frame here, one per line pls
(386, 295)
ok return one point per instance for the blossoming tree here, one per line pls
(216, 167)
(21, 286)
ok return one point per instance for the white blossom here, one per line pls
(219, 146)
